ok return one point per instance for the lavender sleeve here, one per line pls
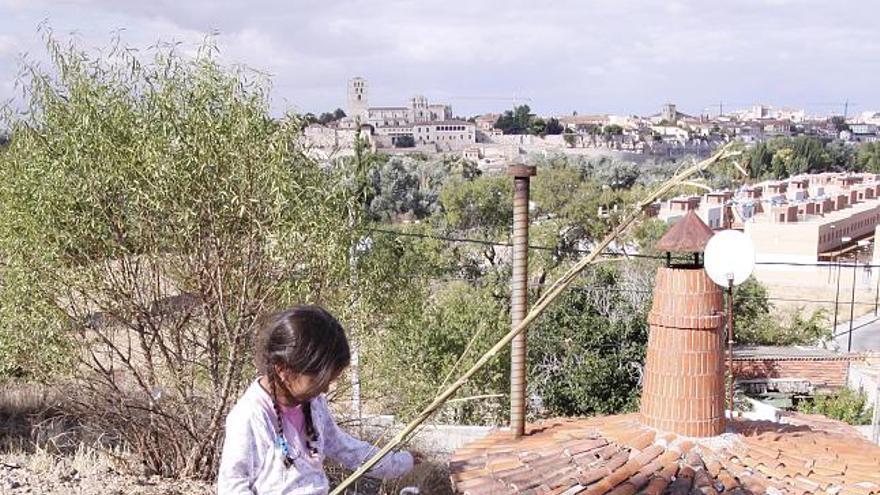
(240, 459)
(351, 452)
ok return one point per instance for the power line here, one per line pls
(607, 253)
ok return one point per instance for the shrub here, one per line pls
(420, 350)
(586, 351)
(846, 405)
(758, 322)
(149, 212)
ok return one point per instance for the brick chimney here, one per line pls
(683, 388)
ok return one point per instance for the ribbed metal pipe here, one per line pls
(519, 303)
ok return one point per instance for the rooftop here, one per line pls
(688, 235)
(619, 455)
(791, 352)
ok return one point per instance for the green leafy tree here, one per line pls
(647, 232)
(612, 130)
(751, 303)
(586, 350)
(516, 121)
(538, 127)
(759, 322)
(554, 127)
(759, 161)
(798, 155)
(484, 204)
(617, 175)
(868, 157)
(842, 156)
(149, 212)
(784, 162)
(436, 342)
(328, 117)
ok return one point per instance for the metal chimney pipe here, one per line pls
(519, 301)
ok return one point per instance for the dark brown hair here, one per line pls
(302, 340)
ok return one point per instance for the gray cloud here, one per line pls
(591, 56)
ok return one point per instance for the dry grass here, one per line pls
(805, 297)
(429, 477)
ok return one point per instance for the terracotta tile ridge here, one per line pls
(596, 472)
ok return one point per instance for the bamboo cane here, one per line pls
(552, 293)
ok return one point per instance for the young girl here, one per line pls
(281, 429)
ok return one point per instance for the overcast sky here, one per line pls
(603, 56)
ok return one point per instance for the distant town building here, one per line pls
(795, 224)
(357, 98)
(421, 124)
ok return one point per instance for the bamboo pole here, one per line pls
(552, 293)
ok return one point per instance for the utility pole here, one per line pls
(730, 343)
(836, 296)
(876, 274)
(852, 304)
(519, 301)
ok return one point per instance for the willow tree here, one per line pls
(151, 210)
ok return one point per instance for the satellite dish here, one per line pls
(729, 254)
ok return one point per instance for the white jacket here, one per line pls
(252, 463)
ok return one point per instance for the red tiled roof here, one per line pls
(688, 235)
(619, 455)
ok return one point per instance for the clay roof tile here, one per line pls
(688, 235)
(786, 459)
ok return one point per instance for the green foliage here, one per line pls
(647, 232)
(516, 121)
(783, 157)
(130, 188)
(482, 204)
(585, 351)
(325, 118)
(751, 302)
(418, 351)
(554, 127)
(845, 405)
(868, 157)
(618, 175)
(842, 156)
(410, 185)
(612, 130)
(758, 322)
(520, 120)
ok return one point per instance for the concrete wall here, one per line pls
(865, 375)
(795, 242)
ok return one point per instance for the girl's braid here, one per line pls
(279, 429)
(311, 433)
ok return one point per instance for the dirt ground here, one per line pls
(809, 299)
(88, 474)
(41, 455)
(43, 473)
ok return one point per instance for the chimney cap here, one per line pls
(688, 235)
(517, 170)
